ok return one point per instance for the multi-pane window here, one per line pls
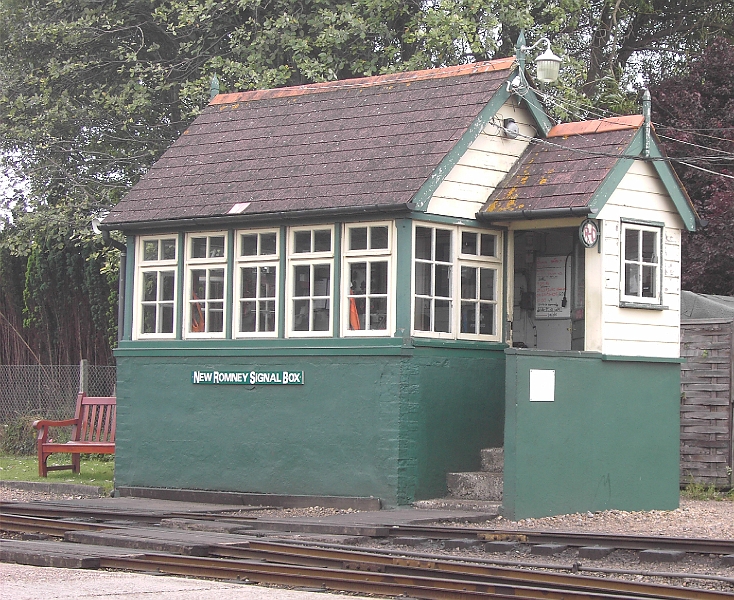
(157, 287)
(257, 283)
(434, 270)
(456, 283)
(478, 286)
(368, 279)
(311, 262)
(641, 263)
(206, 283)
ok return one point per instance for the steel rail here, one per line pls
(437, 532)
(377, 559)
(56, 527)
(571, 538)
(427, 585)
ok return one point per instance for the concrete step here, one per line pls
(478, 485)
(486, 509)
(493, 459)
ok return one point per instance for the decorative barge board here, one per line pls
(593, 380)
(323, 282)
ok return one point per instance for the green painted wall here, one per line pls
(609, 440)
(377, 419)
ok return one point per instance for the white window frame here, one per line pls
(312, 258)
(207, 264)
(367, 255)
(458, 259)
(157, 266)
(479, 261)
(258, 261)
(658, 264)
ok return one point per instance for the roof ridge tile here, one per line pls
(597, 126)
(502, 64)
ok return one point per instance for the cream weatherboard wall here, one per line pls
(615, 330)
(483, 166)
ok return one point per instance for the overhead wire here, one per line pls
(723, 158)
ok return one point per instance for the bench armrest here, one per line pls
(43, 425)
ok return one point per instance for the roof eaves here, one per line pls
(241, 219)
(674, 186)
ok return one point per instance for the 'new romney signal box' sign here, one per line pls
(247, 377)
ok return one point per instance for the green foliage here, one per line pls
(694, 111)
(699, 491)
(92, 92)
(17, 437)
(93, 472)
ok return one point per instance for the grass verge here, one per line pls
(25, 468)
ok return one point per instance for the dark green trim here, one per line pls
(674, 187)
(616, 174)
(282, 279)
(127, 326)
(424, 195)
(554, 353)
(180, 288)
(245, 349)
(245, 221)
(669, 179)
(428, 217)
(307, 347)
(643, 359)
(336, 299)
(536, 109)
(229, 290)
(505, 327)
(591, 355)
(403, 277)
(420, 342)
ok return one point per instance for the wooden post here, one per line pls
(83, 376)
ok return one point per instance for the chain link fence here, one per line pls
(50, 391)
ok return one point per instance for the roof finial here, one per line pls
(646, 107)
(214, 89)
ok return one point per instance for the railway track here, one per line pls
(122, 540)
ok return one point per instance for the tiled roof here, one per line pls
(352, 144)
(564, 170)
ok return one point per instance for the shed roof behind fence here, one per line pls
(706, 306)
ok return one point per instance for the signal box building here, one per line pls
(350, 288)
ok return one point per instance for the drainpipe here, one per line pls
(113, 243)
(646, 107)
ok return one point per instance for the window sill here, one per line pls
(626, 304)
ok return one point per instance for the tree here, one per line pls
(695, 113)
(93, 91)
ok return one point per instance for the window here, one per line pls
(206, 276)
(641, 263)
(257, 283)
(456, 292)
(156, 310)
(311, 261)
(433, 280)
(478, 287)
(366, 309)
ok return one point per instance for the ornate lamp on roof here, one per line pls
(548, 64)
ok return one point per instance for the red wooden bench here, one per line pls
(92, 432)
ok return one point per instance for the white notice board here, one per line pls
(550, 284)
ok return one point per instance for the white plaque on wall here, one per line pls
(542, 385)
